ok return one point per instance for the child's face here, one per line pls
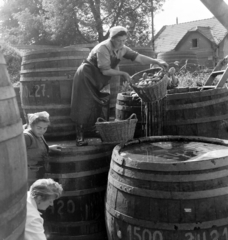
(39, 128)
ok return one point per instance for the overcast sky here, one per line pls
(184, 10)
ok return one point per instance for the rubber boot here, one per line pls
(80, 136)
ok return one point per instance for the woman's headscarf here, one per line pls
(41, 115)
(114, 30)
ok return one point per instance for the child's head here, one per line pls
(39, 122)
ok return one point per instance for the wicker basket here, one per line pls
(118, 130)
(150, 93)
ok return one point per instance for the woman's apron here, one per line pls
(87, 97)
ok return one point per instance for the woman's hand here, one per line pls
(127, 76)
(55, 148)
(162, 64)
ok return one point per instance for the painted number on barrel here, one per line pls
(137, 233)
(212, 235)
(34, 91)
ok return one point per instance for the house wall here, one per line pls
(203, 51)
(223, 48)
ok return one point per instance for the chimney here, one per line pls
(176, 20)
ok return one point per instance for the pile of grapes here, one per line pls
(150, 79)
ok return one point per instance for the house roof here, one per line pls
(170, 35)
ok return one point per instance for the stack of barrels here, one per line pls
(46, 85)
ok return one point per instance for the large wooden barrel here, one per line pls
(192, 112)
(134, 67)
(82, 171)
(13, 162)
(168, 187)
(126, 105)
(46, 85)
(181, 57)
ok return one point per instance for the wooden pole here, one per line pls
(220, 10)
(152, 24)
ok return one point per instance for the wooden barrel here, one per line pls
(181, 57)
(13, 162)
(126, 105)
(82, 171)
(192, 112)
(46, 85)
(134, 67)
(168, 187)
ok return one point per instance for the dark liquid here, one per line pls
(173, 151)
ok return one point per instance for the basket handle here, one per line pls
(100, 119)
(133, 116)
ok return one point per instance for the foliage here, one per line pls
(69, 22)
(190, 75)
(13, 62)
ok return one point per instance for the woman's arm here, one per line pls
(114, 72)
(55, 148)
(148, 60)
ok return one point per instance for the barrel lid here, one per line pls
(52, 50)
(172, 153)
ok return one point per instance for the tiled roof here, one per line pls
(168, 37)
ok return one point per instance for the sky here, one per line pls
(183, 10)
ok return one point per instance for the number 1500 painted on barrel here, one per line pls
(138, 233)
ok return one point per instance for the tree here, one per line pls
(69, 22)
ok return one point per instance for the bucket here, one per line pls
(168, 187)
(13, 162)
(126, 105)
(46, 85)
(82, 171)
(191, 112)
(132, 67)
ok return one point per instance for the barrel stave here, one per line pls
(13, 162)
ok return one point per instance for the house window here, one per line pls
(194, 43)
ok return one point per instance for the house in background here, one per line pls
(206, 38)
